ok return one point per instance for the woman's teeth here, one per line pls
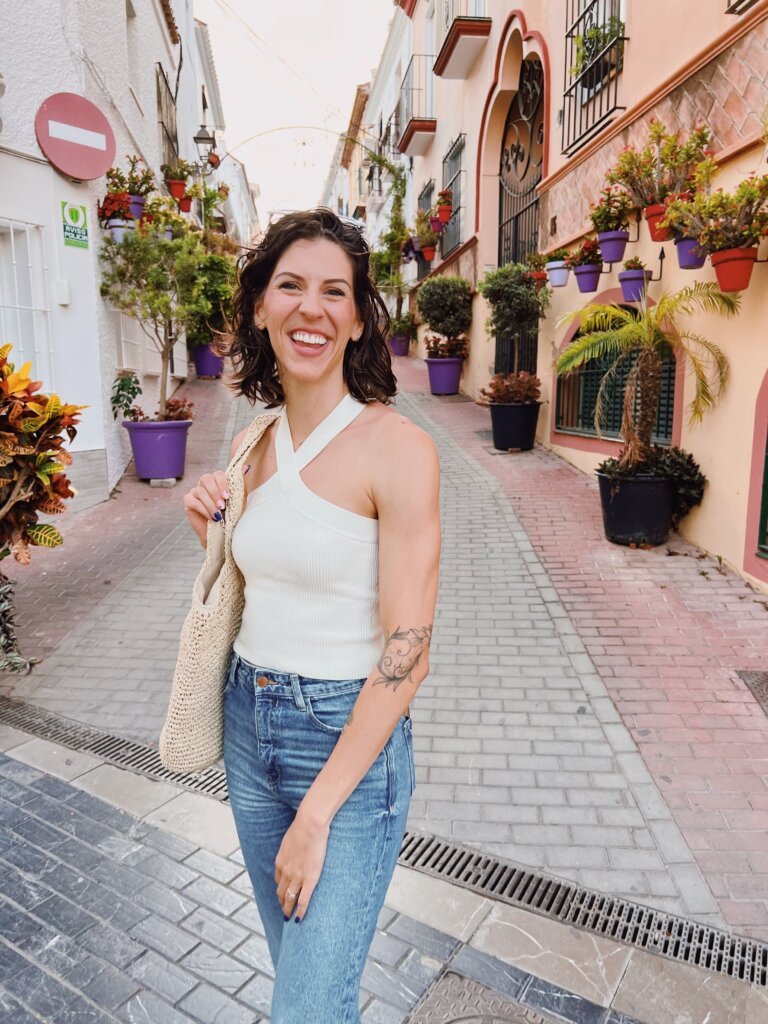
(309, 339)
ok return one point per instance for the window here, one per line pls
(24, 308)
(166, 116)
(131, 343)
(739, 6)
(594, 56)
(426, 198)
(577, 394)
(453, 180)
(762, 536)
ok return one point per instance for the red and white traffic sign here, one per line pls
(75, 136)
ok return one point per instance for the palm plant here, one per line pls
(612, 332)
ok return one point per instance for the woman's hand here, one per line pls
(206, 501)
(299, 863)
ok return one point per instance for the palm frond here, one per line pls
(701, 297)
(597, 345)
(605, 384)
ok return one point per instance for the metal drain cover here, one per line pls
(757, 682)
(454, 998)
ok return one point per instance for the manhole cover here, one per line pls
(455, 998)
(757, 682)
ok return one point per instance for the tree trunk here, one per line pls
(165, 364)
(641, 402)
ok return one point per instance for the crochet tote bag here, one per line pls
(192, 737)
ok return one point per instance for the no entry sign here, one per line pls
(75, 136)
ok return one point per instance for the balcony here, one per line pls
(415, 114)
(463, 30)
(739, 6)
(373, 193)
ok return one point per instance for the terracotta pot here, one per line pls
(444, 213)
(540, 277)
(733, 268)
(428, 252)
(185, 204)
(176, 186)
(653, 214)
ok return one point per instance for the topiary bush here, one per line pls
(514, 299)
(445, 303)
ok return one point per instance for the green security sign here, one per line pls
(74, 220)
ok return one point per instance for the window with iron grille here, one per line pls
(762, 538)
(577, 395)
(425, 200)
(24, 306)
(453, 179)
(166, 116)
(594, 56)
(739, 6)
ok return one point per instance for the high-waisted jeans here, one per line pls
(277, 737)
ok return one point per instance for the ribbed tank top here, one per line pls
(310, 568)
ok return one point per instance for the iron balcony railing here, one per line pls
(425, 201)
(416, 90)
(594, 56)
(166, 116)
(449, 10)
(739, 6)
(453, 179)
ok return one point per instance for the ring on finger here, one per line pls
(291, 895)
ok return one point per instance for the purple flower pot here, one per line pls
(137, 206)
(633, 284)
(207, 363)
(435, 224)
(399, 344)
(158, 449)
(689, 255)
(168, 233)
(612, 245)
(117, 228)
(588, 277)
(444, 375)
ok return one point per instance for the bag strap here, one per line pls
(235, 477)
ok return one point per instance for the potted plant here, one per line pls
(728, 226)
(680, 221)
(402, 328)
(599, 50)
(514, 404)
(634, 280)
(665, 166)
(218, 273)
(444, 205)
(436, 224)
(175, 177)
(162, 212)
(638, 498)
(160, 284)
(115, 214)
(445, 303)
(557, 268)
(610, 218)
(535, 264)
(587, 264)
(140, 182)
(427, 235)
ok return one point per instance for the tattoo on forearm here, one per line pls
(349, 720)
(402, 653)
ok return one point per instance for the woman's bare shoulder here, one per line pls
(397, 437)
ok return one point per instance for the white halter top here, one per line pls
(310, 568)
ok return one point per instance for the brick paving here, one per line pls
(666, 631)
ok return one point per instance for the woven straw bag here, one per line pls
(192, 737)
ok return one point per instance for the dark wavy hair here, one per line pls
(367, 362)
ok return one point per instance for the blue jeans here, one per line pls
(277, 737)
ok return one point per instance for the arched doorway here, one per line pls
(520, 167)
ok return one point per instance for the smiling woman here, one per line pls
(337, 544)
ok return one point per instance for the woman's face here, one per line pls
(308, 310)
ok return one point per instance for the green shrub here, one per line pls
(445, 303)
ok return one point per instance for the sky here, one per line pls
(286, 64)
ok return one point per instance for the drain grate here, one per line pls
(668, 935)
(630, 923)
(757, 683)
(455, 999)
(118, 751)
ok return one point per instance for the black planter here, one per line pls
(636, 509)
(514, 425)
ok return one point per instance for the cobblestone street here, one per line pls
(583, 714)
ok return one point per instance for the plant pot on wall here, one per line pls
(633, 284)
(444, 214)
(444, 375)
(540, 277)
(137, 206)
(117, 228)
(177, 187)
(588, 277)
(185, 204)
(654, 214)
(207, 363)
(399, 344)
(733, 268)
(557, 271)
(637, 509)
(159, 448)
(435, 224)
(612, 245)
(690, 256)
(428, 252)
(513, 425)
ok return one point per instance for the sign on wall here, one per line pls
(75, 136)
(74, 221)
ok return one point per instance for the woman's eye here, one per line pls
(288, 284)
(336, 291)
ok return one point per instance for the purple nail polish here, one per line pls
(297, 919)
(217, 517)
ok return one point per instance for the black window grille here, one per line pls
(453, 179)
(762, 539)
(425, 201)
(594, 56)
(739, 6)
(577, 395)
(373, 180)
(166, 116)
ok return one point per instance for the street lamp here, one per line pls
(206, 146)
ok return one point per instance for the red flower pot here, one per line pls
(177, 187)
(428, 252)
(654, 214)
(444, 213)
(733, 268)
(185, 204)
(540, 277)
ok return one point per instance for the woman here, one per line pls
(339, 546)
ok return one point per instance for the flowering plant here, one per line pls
(558, 256)
(423, 230)
(179, 171)
(115, 206)
(140, 181)
(446, 348)
(634, 263)
(514, 387)
(536, 261)
(587, 255)
(444, 197)
(117, 182)
(664, 166)
(611, 212)
(723, 220)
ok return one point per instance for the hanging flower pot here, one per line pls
(540, 277)
(176, 186)
(435, 224)
(557, 272)
(428, 252)
(168, 233)
(612, 245)
(137, 206)
(588, 277)
(117, 227)
(633, 284)
(444, 214)
(733, 268)
(654, 214)
(185, 204)
(690, 256)
(207, 363)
